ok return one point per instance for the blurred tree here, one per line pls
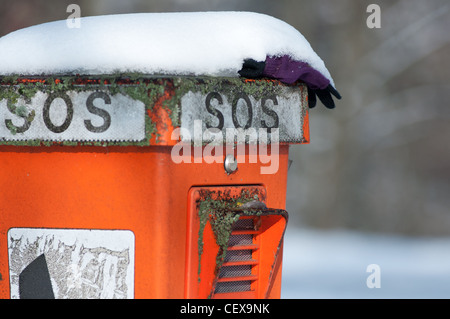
(381, 160)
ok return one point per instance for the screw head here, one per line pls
(230, 164)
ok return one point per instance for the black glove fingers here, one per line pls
(326, 99)
(334, 91)
(252, 69)
(311, 98)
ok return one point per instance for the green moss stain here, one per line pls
(222, 210)
(227, 86)
(140, 87)
(13, 93)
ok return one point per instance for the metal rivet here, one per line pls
(230, 164)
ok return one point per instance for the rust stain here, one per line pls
(160, 115)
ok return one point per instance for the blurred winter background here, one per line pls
(373, 186)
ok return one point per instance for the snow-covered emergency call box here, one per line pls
(126, 173)
(105, 193)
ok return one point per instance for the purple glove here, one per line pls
(289, 71)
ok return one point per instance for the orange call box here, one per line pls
(145, 187)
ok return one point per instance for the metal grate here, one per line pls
(238, 255)
(233, 286)
(244, 224)
(237, 271)
(240, 240)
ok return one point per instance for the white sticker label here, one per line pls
(73, 116)
(221, 113)
(71, 263)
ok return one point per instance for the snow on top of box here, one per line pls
(200, 43)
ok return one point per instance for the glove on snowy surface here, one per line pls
(289, 71)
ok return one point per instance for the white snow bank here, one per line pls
(333, 264)
(201, 43)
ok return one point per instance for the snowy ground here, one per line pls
(332, 264)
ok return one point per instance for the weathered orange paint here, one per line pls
(306, 133)
(266, 255)
(130, 188)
